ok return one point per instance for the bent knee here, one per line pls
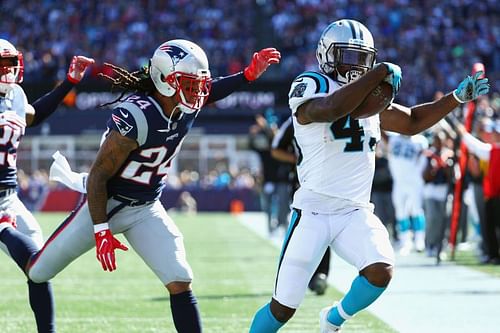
(39, 274)
(378, 274)
(177, 287)
(281, 312)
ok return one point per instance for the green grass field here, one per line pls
(234, 275)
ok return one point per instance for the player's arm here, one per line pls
(225, 86)
(47, 104)
(111, 155)
(413, 120)
(346, 99)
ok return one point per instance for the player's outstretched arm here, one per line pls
(346, 99)
(224, 86)
(47, 104)
(110, 157)
(415, 119)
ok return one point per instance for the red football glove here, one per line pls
(7, 217)
(105, 246)
(77, 68)
(260, 61)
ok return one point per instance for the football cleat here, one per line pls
(324, 325)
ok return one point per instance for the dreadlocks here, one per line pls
(128, 81)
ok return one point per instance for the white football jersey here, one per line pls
(336, 160)
(405, 160)
(15, 102)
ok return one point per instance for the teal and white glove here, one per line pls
(471, 88)
(393, 77)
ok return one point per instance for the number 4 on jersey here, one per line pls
(350, 130)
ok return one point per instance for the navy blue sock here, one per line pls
(42, 304)
(185, 312)
(20, 246)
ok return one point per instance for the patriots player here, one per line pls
(335, 169)
(15, 115)
(144, 133)
(406, 162)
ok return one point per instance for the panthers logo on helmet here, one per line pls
(175, 52)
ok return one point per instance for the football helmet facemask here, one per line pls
(11, 63)
(180, 67)
(346, 50)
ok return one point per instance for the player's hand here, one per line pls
(8, 217)
(260, 61)
(105, 246)
(77, 68)
(394, 77)
(472, 87)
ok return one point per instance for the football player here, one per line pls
(144, 133)
(15, 115)
(283, 149)
(335, 168)
(406, 163)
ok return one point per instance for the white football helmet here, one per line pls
(347, 44)
(11, 66)
(180, 67)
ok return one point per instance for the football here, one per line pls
(377, 101)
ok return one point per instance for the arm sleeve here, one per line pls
(477, 147)
(306, 86)
(126, 121)
(47, 104)
(224, 86)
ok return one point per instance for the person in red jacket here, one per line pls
(489, 152)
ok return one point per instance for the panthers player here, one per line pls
(144, 134)
(406, 163)
(15, 115)
(335, 169)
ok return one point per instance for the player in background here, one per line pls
(15, 115)
(336, 166)
(407, 164)
(283, 149)
(144, 133)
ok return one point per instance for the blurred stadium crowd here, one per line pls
(435, 42)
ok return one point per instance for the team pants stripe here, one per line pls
(59, 229)
(294, 222)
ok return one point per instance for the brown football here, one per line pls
(377, 101)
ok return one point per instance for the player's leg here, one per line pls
(160, 244)
(403, 222)
(71, 239)
(416, 211)
(364, 243)
(40, 294)
(305, 243)
(318, 282)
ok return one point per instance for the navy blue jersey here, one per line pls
(13, 107)
(141, 118)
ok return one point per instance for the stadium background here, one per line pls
(435, 43)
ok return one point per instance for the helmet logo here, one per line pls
(175, 52)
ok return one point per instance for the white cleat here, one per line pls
(324, 325)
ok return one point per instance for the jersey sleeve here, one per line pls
(129, 120)
(20, 102)
(306, 86)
